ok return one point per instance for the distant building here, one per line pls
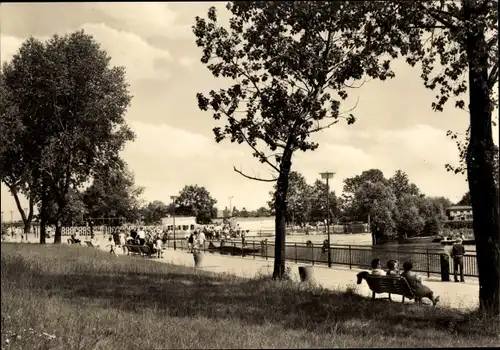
(255, 225)
(182, 223)
(459, 213)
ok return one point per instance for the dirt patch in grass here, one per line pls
(85, 298)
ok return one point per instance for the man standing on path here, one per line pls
(458, 252)
(142, 236)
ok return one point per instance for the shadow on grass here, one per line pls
(126, 284)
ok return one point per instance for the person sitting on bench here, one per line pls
(415, 283)
(376, 268)
(392, 266)
(75, 240)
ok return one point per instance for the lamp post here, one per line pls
(26, 213)
(230, 206)
(328, 175)
(11, 222)
(1, 223)
(173, 198)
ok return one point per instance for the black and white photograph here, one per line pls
(249, 174)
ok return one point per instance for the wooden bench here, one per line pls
(72, 241)
(132, 248)
(146, 250)
(89, 244)
(387, 284)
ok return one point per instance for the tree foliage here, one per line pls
(394, 207)
(298, 199)
(319, 203)
(292, 64)
(73, 213)
(465, 200)
(113, 195)
(153, 212)
(71, 104)
(194, 200)
(456, 45)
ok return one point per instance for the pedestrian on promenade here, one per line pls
(457, 253)
(190, 242)
(111, 245)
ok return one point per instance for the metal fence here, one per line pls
(427, 261)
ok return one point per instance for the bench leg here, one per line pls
(373, 295)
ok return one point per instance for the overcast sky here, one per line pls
(395, 127)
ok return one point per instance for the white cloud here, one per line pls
(125, 49)
(129, 50)
(146, 19)
(168, 141)
(187, 62)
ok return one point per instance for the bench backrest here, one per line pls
(133, 248)
(389, 284)
(145, 249)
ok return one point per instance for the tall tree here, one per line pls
(72, 102)
(460, 39)
(465, 200)
(318, 200)
(244, 213)
(262, 212)
(291, 63)
(153, 212)
(194, 200)
(377, 201)
(73, 213)
(352, 210)
(433, 211)
(14, 138)
(298, 199)
(409, 221)
(113, 195)
(352, 184)
(235, 212)
(401, 185)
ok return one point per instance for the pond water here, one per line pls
(365, 240)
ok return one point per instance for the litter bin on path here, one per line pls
(445, 267)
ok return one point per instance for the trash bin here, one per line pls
(445, 267)
(305, 273)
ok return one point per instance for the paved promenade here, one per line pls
(456, 295)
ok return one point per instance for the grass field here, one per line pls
(68, 297)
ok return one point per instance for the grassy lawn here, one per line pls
(68, 297)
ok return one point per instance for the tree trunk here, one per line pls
(58, 232)
(43, 218)
(280, 206)
(480, 172)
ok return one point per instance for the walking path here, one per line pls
(456, 295)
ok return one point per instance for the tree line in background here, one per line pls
(392, 206)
